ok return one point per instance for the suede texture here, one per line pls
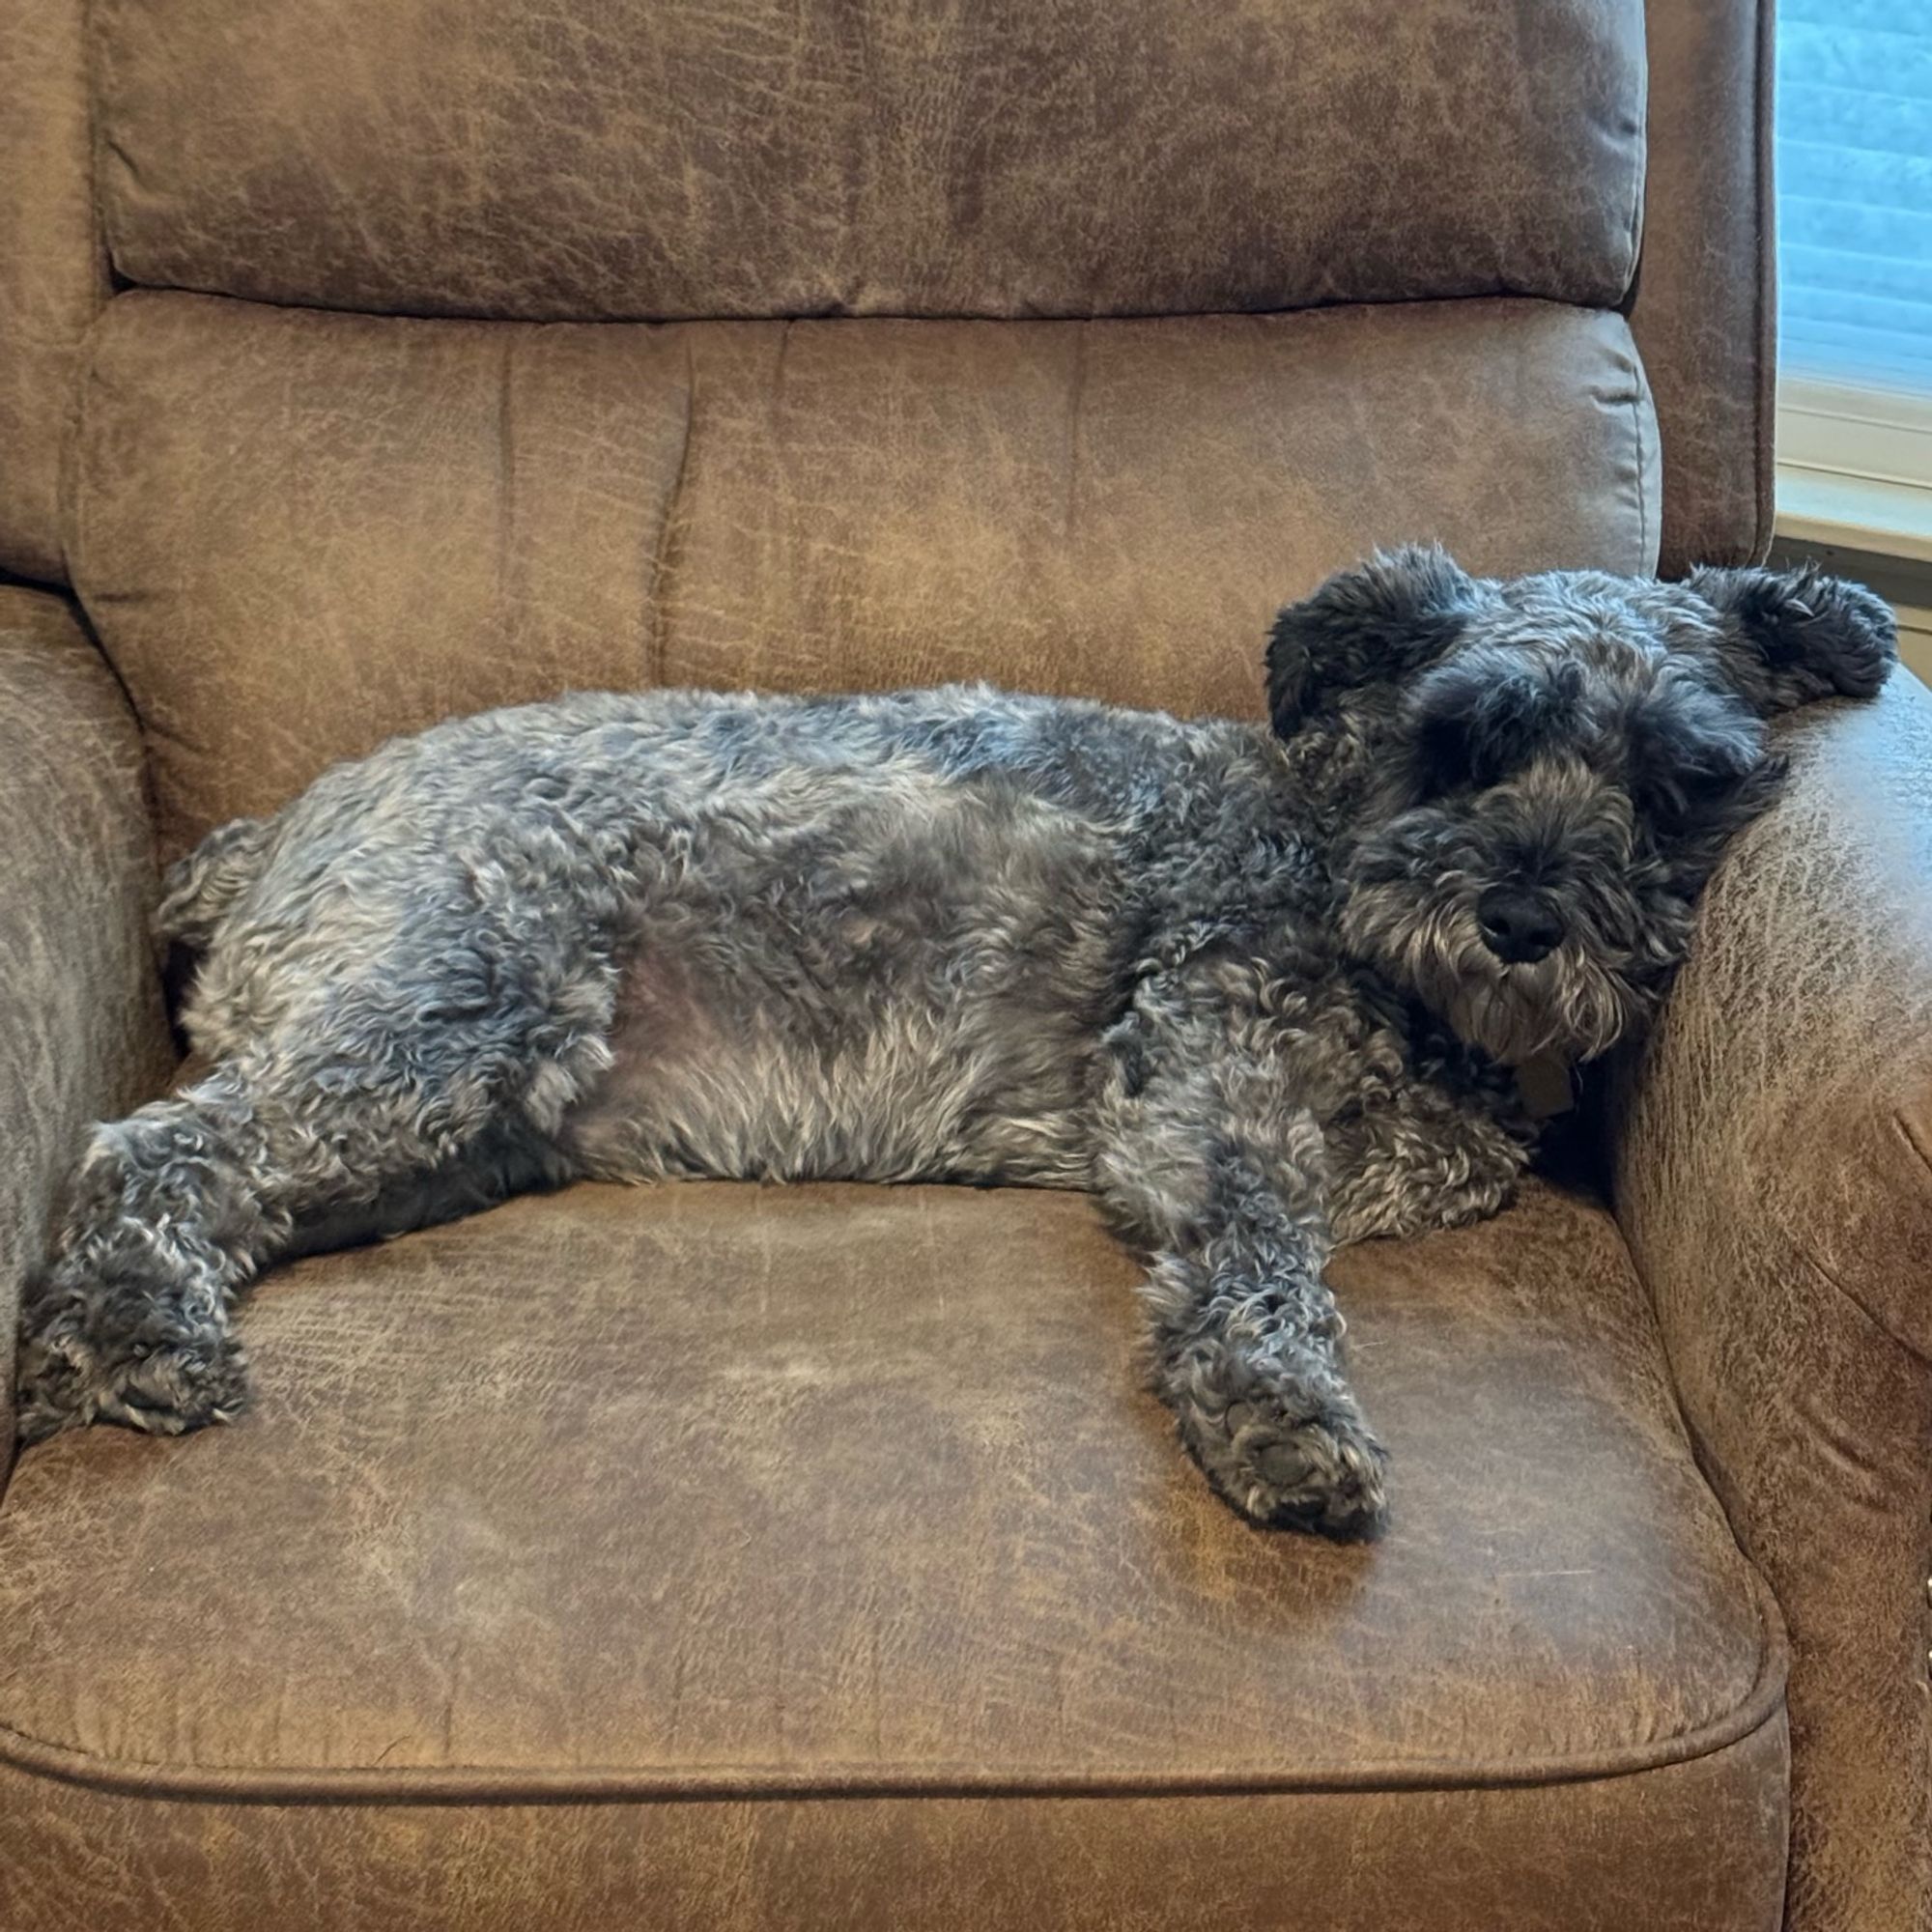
(299, 533)
(1774, 1180)
(53, 270)
(81, 1032)
(556, 162)
(853, 345)
(1682, 1849)
(533, 1529)
(1704, 305)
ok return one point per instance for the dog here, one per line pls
(1260, 988)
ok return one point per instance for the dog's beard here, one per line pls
(1567, 1003)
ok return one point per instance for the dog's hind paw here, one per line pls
(162, 1385)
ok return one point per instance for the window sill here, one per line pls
(1855, 468)
(1854, 494)
(1886, 517)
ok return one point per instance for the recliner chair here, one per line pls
(725, 1557)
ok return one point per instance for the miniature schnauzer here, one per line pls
(1260, 989)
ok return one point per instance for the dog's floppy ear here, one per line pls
(1380, 622)
(1785, 636)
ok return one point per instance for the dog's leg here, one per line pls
(1222, 1181)
(177, 1209)
(171, 1212)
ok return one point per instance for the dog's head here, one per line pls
(1548, 770)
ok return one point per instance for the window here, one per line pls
(1855, 267)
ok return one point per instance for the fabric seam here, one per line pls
(504, 1785)
(1647, 552)
(1640, 168)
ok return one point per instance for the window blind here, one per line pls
(1854, 153)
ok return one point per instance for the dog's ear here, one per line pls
(1380, 622)
(1787, 637)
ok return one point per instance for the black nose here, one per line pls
(1517, 925)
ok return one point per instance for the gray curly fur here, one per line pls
(1260, 990)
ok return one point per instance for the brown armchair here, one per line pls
(374, 359)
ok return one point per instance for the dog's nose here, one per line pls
(1517, 925)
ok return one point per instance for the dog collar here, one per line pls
(1545, 1086)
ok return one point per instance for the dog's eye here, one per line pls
(1453, 754)
(1689, 790)
(1484, 718)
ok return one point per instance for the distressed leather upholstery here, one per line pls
(81, 1032)
(530, 1530)
(494, 512)
(1775, 1183)
(1699, 303)
(369, 360)
(1704, 305)
(735, 159)
(53, 270)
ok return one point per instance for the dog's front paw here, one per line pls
(1283, 1454)
(165, 1374)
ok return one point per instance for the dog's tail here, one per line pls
(197, 889)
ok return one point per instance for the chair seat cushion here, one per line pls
(758, 1495)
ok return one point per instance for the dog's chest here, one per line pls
(1423, 1140)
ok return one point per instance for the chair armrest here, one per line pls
(82, 1032)
(1772, 1155)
